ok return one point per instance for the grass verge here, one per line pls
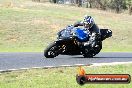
(27, 26)
(60, 77)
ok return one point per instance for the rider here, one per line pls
(89, 25)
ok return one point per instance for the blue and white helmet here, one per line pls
(88, 21)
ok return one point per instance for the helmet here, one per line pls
(88, 21)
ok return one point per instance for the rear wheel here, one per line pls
(52, 51)
(89, 52)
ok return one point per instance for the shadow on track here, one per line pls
(106, 57)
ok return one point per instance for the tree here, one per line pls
(79, 3)
(117, 5)
(90, 3)
(129, 5)
(102, 4)
(54, 1)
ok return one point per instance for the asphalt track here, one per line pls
(36, 59)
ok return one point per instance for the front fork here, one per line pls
(63, 44)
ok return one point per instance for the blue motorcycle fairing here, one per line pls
(82, 35)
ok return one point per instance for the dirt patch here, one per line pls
(37, 21)
(34, 21)
(13, 38)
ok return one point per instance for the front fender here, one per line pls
(60, 41)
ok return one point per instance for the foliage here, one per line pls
(117, 5)
(27, 26)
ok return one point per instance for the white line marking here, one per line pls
(79, 64)
(91, 65)
(48, 67)
(24, 68)
(2, 70)
(37, 67)
(12, 69)
(65, 65)
(113, 63)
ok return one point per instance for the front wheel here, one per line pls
(52, 51)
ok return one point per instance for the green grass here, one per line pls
(64, 77)
(27, 26)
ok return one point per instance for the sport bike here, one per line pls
(70, 41)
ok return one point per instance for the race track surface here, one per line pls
(36, 59)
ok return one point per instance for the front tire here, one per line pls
(52, 51)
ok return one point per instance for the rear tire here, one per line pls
(89, 52)
(52, 51)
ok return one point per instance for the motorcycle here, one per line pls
(71, 41)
